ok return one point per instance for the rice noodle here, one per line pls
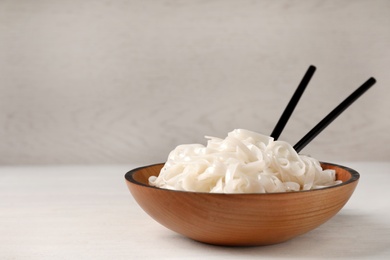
(243, 162)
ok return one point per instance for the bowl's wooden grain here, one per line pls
(241, 219)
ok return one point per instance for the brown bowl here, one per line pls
(241, 219)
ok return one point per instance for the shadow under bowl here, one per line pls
(241, 219)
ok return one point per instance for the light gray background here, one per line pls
(98, 81)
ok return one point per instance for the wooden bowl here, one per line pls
(241, 219)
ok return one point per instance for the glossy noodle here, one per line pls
(243, 162)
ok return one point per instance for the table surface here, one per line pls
(87, 212)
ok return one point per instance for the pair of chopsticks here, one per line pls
(324, 122)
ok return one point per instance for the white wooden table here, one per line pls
(86, 212)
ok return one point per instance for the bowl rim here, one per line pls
(354, 177)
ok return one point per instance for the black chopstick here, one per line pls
(333, 115)
(293, 102)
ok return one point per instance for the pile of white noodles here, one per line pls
(243, 162)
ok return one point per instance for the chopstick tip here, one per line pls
(372, 79)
